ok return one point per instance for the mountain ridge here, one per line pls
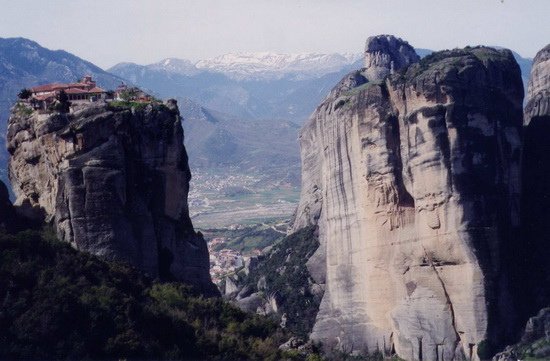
(254, 65)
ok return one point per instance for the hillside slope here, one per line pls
(59, 303)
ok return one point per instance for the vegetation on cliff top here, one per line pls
(22, 109)
(448, 58)
(126, 104)
(58, 303)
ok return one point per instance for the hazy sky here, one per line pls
(108, 32)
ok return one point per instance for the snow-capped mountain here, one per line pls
(275, 66)
(250, 66)
(252, 85)
(175, 65)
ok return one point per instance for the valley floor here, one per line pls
(219, 199)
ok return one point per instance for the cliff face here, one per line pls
(538, 90)
(414, 183)
(536, 188)
(114, 182)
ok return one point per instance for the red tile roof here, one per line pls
(76, 91)
(47, 87)
(96, 90)
(76, 85)
(89, 83)
(71, 88)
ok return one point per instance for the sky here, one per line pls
(142, 31)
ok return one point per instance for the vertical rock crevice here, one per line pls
(449, 303)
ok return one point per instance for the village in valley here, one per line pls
(235, 250)
(225, 261)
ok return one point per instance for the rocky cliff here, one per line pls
(24, 63)
(113, 181)
(411, 171)
(536, 188)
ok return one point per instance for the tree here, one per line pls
(24, 94)
(62, 102)
(62, 97)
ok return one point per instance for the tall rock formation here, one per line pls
(385, 55)
(414, 182)
(536, 194)
(24, 63)
(114, 182)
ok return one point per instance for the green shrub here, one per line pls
(117, 105)
(121, 104)
(246, 239)
(314, 357)
(288, 278)
(23, 109)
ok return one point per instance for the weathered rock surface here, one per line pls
(536, 187)
(386, 54)
(538, 90)
(414, 184)
(114, 182)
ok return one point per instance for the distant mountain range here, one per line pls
(244, 110)
(254, 66)
(264, 146)
(241, 110)
(253, 85)
(269, 66)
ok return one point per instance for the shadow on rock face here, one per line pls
(536, 211)
(18, 218)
